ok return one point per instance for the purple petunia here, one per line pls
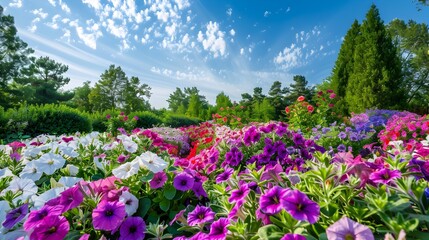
(51, 228)
(291, 236)
(233, 157)
(240, 193)
(270, 202)
(300, 206)
(36, 217)
(183, 182)
(15, 215)
(225, 175)
(108, 215)
(345, 228)
(71, 198)
(218, 229)
(132, 228)
(158, 180)
(384, 176)
(200, 215)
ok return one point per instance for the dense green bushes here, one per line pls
(176, 120)
(146, 119)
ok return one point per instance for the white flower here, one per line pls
(25, 186)
(151, 161)
(130, 146)
(73, 170)
(126, 170)
(5, 172)
(32, 151)
(68, 151)
(39, 201)
(6, 149)
(69, 181)
(50, 162)
(130, 201)
(100, 162)
(110, 146)
(31, 171)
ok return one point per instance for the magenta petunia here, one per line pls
(36, 217)
(240, 193)
(183, 182)
(218, 229)
(71, 198)
(384, 176)
(270, 202)
(15, 216)
(51, 228)
(291, 236)
(158, 180)
(222, 177)
(345, 228)
(200, 215)
(132, 228)
(108, 215)
(300, 206)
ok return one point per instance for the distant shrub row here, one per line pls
(31, 121)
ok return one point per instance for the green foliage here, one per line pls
(147, 119)
(276, 97)
(121, 123)
(80, 99)
(299, 88)
(376, 77)
(177, 120)
(47, 119)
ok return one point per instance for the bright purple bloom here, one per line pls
(122, 158)
(84, 237)
(384, 176)
(183, 182)
(179, 217)
(270, 202)
(71, 198)
(345, 228)
(15, 156)
(67, 139)
(233, 157)
(291, 236)
(198, 189)
(272, 172)
(218, 229)
(108, 215)
(240, 193)
(341, 148)
(16, 145)
(15, 215)
(298, 139)
(51, 228)
(158, 180)
(222, 177)
(342, 135)
(132, 228)
(301, 207)
(36, 217)
(200, 215)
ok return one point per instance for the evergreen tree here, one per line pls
(276, 96)
(299, 88)
(267, 110)
(177, 101)
(136, 96)
(222, 100)
(80, 99)
(376, 78)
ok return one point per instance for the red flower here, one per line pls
(287, 110)
(301, 98)
(310, 108)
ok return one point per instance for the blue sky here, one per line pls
(215, 45)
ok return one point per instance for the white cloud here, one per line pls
(229, 11)
(171, 30)
(64, 7)
(213, 40)
(185, 39)
(242, 51)
(39, 12)
(115, 30)
(16, 4)
(289, 58)
(33, 26)
(93, 3)
(181, 4)
(267, 13)
(52, 2)
(321, 48)
(163, 16)
(89, 39)
(188, 19)
(54, 23)
(288, 9)
(232, 32)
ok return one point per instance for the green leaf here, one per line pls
(73, 235)
(144, 206)
(96, 177)
(270, 232)
(164, 205)
(170, 192)
(147, 177)
(420, 217)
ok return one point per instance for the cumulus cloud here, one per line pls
(93, 3)
(289, 58)
(88, 37)
(16, 4)
(232, 32)
(39, 12)
(213, 40)
(229, 12)
(64, 6)
(267, 13)
(54, 23)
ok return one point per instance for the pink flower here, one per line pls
(332, 95)
(300, 98)
(287, 110)
(310, 108)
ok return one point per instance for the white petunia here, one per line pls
(73, 170)
(130, 201)
(130, 146)
(5, 172)
(100, 161)
(126, 170)
(69, 181)
(6, 149)
(110, 146)
(39, 201)
(33, 151)
(31, 171)
(50, 162)
(68, 151)
(151, 161)
(25, 186)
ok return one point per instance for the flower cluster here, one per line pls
(122, 123)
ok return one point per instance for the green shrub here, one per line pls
(46, 119)
(146, 119)
(176, 120)
(99, 119)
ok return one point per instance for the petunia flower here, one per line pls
(51, 228)
(300, 206)
(200, 215)
(108, 215)
(50, 162)
(126, 170)
(270, 202)
(15, 216)
(291, 236)
(345, 228)
(151, 161)
(36, 217)
(26, 187)
(133, 228)
(158, 180)
(31, 171)
(218, 229)
(71, 198)
(240, 193)
(222, 177)
(384, 176)
(183, 182)
(131, 202)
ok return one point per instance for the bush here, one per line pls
(146, 119)
(176, 120)
(31, 121)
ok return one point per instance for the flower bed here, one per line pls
(261, 181)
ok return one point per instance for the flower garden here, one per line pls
(362, 178)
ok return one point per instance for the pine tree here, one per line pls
(299, 88)
(376, 78)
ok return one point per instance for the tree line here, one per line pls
(378, 66)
